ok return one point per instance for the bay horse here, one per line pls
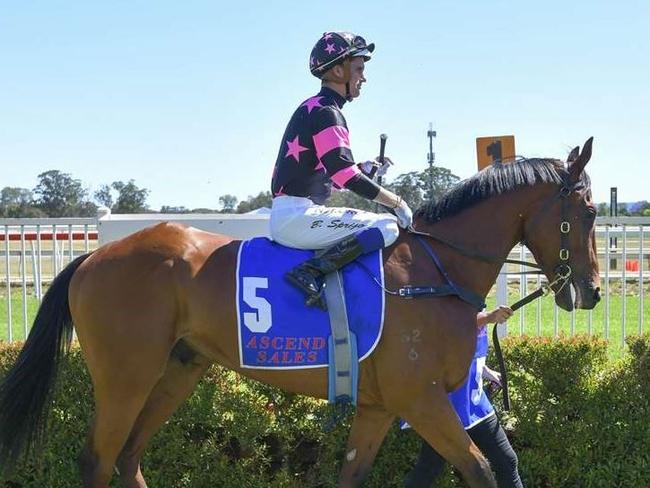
(154, 310)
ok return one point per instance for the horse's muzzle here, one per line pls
(587, 297)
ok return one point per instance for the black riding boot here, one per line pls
(309, 276)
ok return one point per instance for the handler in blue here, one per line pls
(478, 417)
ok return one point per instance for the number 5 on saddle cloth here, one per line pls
(277, 330)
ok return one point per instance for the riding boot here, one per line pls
(310, 275)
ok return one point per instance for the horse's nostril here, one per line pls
(597, 294)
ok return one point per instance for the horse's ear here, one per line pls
(577, 166)
(573, 155)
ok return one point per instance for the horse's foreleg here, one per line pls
(369, 428)
(184, 370)
(433, 417)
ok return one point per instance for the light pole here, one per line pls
(431, 157)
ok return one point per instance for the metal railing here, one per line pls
(624, 264)
(33, 251)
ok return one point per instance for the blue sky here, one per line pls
(190, 99)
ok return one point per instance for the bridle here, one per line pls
(563, 270)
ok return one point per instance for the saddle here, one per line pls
(278, 331)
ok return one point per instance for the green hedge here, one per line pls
(577, 421)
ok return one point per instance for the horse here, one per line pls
(154, 310)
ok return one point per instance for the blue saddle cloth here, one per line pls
(277, 330)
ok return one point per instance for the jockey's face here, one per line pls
(357, 66)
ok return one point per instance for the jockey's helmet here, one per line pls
(334, 48)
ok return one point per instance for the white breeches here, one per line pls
(299, 223)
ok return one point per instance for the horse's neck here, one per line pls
(490, 228)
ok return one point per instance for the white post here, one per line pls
(502, 298)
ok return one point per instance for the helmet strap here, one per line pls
(331, 77)
(346, 77)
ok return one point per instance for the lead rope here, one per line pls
(540, 292)
(497, 345)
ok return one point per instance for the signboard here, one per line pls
(494, 148)
(489, 150)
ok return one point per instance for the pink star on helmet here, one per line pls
(295, 149)
(330, 48)
(341, 49)
(312, 103)
(327, 36)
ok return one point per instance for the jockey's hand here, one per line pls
(366, 167)
(382, 168)
(404, 215)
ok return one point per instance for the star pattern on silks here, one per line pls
(330, 48)
(312, 103)
(342, 49)
(327, 36)
(295, 149)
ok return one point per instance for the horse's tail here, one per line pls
(27, 387)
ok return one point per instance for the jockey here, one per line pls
(314, 156)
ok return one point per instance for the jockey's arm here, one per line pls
(387, 198)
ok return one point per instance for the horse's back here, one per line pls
(149, 281)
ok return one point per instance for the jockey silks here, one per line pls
(315, 153)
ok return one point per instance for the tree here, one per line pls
(129, 198)
(412, 187)
(228, 203)
(416, 187)
(60, 195)
(622, 210)
(263, 199)
(103, 196)
(345, 198)
(18, 202)
(442, 181)
(168, 209)
(603, 209)
(637, 208)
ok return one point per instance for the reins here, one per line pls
(562, 274)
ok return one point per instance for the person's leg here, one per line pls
(309, 275)
(341, 234)
(298, 223)
(427, 469)
(491, 439)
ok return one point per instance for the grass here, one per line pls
(17, 319)
(554, 321)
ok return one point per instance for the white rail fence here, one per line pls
(33, 251)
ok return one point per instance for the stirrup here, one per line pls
(314, 294)
(317, 299)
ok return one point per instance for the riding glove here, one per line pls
(404, 215)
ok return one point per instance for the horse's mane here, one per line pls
(496, 179)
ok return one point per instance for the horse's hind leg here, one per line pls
(120, 394)
(369, 428)
(433, 417)
(184, 369)
(125, 360)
